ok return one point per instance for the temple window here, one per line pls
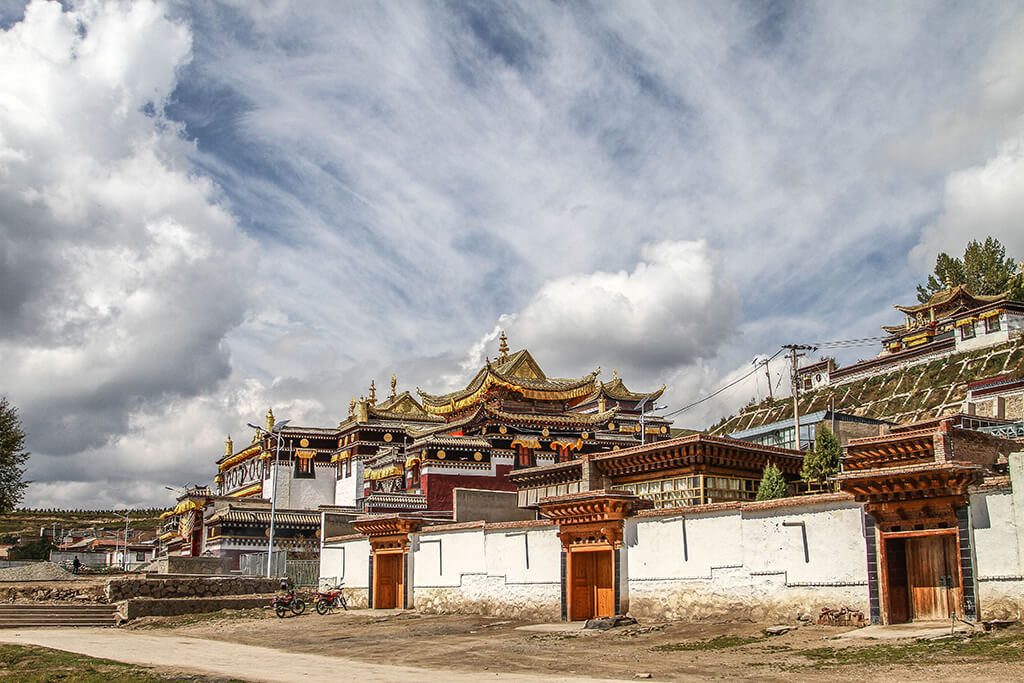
(967, 331)
(992, 324)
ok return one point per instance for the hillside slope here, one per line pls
(28, 522)
(902, 395)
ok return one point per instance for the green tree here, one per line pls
(12, 457)
(985, 269)
(772, 484)
(822, 461)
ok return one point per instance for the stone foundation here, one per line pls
(41, 592)
(492, 596)
(194, 565)
(187, 587)
(152, 607)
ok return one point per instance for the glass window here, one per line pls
(992, 324)
(967, 331)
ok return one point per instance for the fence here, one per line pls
(304, 573)
(255, 564)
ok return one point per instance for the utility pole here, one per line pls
(793, 355)
(768, 374)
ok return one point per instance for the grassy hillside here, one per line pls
(901, 395)
(27, 521)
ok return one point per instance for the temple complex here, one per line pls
(953, 320)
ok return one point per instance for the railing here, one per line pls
(406, 501)
(303, 573)
(1010, 431)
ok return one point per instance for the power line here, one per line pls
(727, 386)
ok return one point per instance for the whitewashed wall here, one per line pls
(747, 563)
(347, 562)
(997, 527)
(349, 490)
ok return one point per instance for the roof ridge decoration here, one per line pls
(947, 295)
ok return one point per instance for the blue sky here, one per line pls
(209, 208)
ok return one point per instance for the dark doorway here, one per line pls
(923, 579)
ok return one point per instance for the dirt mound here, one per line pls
(39, 571)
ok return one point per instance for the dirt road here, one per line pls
(173, 652)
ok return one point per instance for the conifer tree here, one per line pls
(984, 269)
(12, 457)
(772, 484)
(822, 460)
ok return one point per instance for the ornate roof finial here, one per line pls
(615, 374)
(949, 281)
(503, 347)
(352, 407)
(229, 447)
(373, 393)
(270, 419)
(394, 386)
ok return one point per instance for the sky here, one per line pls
(212, 208)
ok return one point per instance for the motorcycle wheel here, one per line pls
(322, 606)
(298, 606)
(344, 605)
(280, 611)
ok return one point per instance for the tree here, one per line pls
(822, 460)
(772, 484)
(12, 457)
(984, 269)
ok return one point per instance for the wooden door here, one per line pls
(932, 577)
(897, 598)
(387, 588)
(583, 577)
(604, 585)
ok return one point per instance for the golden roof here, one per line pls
(617, 391)
(518, 372)
(948, 296)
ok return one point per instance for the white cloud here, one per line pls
(122, 270)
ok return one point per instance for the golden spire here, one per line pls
(615, 374)
(503, 347)
(229, 448)
(373, 393)
(352, 407)
(394, 386)
(270, 419)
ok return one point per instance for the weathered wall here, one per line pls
(149, 607)
(179, 564)
(747, 563)
(180, 587)
(997, 520)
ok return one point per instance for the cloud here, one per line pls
(121, 270)
(673, 309)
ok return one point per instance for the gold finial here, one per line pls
(1020, 266)
(229, 447)
(394, 386)
(352, 407)
(615, 374)
(949, 281)
(373, 393)
(270, 419)
(503, 347)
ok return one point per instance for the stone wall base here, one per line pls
(154, 607)
(492, 596)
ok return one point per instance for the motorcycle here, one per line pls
(289, 601)
(327, 600)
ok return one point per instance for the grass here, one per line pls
(30, 664)
(718, 643)
(180, 620)
(1001, 648)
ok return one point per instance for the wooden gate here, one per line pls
(592, 589)
(387, 580)
(933, 578)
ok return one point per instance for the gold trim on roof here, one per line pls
(241, 455)
(247, 491)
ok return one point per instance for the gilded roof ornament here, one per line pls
(270, 419)
(229, 447)
(503, 347)
(394, 386)
(352, 407)
(615, 374)
(373, 393)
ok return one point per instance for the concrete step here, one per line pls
(32, 615)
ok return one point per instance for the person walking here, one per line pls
(76, 565)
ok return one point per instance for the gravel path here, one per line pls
(39, 571)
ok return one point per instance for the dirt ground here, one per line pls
(673, 651)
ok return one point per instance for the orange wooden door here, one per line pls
(604, 588)
(582, 584)
(932, 577)
(387, 570)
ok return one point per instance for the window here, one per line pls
(967, 331)
(304, 468)
(992, 324)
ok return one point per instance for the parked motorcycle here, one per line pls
(289, 601)
(327, 600)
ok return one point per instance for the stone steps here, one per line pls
(50, 614)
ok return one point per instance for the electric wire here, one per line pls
(731, 384)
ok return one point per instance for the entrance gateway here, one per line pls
(590, 526)
(389, 559)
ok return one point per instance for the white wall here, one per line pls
(997, 526)
(349, 490)
(347, 562)
(302, 494)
